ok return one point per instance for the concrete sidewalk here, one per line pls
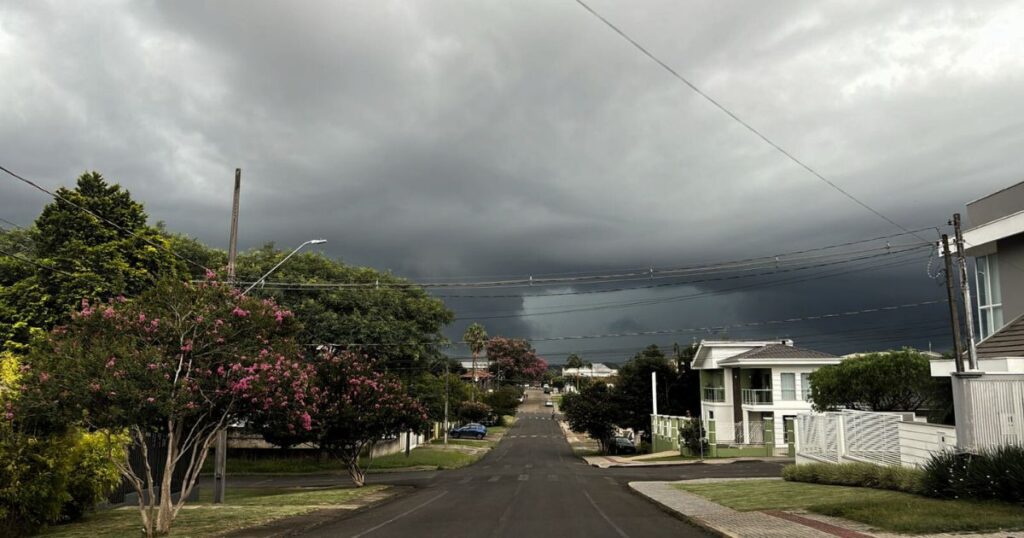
(725, 521)
(604, 462)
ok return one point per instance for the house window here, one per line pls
(788, 386)
(990, 296)
(805, 386)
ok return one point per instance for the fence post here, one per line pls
(712, 440)
(769, 436)
(840, 437)
(791, 429)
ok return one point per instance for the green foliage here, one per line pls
(677, 389)
(45, 480)
(694, 436)
(573, 361)
(891, 381)
(429, 390)
(991, 474)
(474, 411)
(865, 475)
(392, 313)
(592, 411)
(94, 476)
(77, 257)
(504, 400)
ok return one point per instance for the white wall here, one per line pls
(782, 407)
(918, 441)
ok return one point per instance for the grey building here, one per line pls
(995, 240)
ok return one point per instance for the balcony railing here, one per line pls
(714, 394)
(757, 396)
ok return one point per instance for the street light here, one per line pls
(280, 263)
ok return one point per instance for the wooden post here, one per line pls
(954, 317)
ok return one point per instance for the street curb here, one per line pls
(681, 463)
(696, 522)
(310, 521)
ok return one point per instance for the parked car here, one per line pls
(549, 403)
(474, 430)
(547, 390)
(622, 445)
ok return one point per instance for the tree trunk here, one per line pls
(357, 474)
(165, 512)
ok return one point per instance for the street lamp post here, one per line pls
(280, 263)
(220, 462)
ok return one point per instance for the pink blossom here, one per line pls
(151, 399)
(152, 366)
(187, 346)
(108, 313)
(111, 362)
(142, 317)
(239, 312)
(210, 275)
(44, 377)
(307, 421)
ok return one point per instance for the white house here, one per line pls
(743, 383)
(594, 370)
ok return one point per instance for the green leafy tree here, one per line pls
(504, 400)
(76, 256)
(476, 337)
(389, 311)
(474, 411)
(890, 381)
(592, 411)
(633, 388)
(574, 361)
(429, 390)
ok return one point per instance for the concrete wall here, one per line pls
(918, 441)
(1010, 253)
(998, 204)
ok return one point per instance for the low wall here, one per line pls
(918, 441)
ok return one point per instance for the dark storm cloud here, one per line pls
(440, 139)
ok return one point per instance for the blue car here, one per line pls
(476, 431)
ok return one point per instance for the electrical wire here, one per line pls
(739, 120)
(33, 262)
(101, 218)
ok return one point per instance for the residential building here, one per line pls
(995, 240)
(746, 383)
(593, 370)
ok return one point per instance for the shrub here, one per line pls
(33, 481)
(991, 474)
(474, 411)
(693, 436)
(93, 475)
(863, 475)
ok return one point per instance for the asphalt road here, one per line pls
(529, 485)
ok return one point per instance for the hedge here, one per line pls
(991, 474)
(863, 475)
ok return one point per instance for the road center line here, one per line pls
(621, 532)
(403, 514)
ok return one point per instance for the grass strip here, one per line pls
(243, 508)
(887, 510)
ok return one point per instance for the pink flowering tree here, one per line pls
(359, 406)
(180, 362)
(514, 360)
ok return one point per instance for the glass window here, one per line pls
(805, 386)
(990, 296)
(788, 386)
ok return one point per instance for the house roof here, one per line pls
(1006, 342)
(782, 351)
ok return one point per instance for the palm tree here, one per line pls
(476, 337)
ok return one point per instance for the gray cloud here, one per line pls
(474, 138)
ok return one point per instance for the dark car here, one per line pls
(474, 430)
(622, 445)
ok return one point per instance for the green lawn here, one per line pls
(887, 510)
(244, 508)
(428, 456)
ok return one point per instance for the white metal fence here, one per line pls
(872, 437)
(989, 411)
(817, 436)
(869, 437)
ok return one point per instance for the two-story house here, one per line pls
(995, 242)
(743, 383)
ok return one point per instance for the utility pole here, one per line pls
(446, 361)
(220, 462)
(654, 392)
(965, 290)
(954, 317)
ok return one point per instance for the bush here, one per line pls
(53, 479)
(863, 475)
(474, 411)
(694, 436)
(990, 474)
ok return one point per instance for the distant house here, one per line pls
(594, 370)
(744, 384)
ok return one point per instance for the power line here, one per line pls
(739, 120)
(776, 260)
(679, 298)
(833, 315)
(101, 218)
(9, 223)
(33, 262)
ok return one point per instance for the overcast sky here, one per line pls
(455, 139)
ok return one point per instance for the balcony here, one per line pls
(714, 394)
(757, 396)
